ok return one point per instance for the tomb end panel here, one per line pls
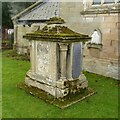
(46, 62)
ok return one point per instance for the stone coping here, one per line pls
(101, 10)
(57, 39)
(61, 102)
(93, 45)
(64, 38)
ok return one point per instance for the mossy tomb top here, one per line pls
(57, 33)
(55, 20)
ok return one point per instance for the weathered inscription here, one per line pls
(43, 57)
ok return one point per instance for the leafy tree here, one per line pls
(10, 9)
(6, 18)
(17, 7)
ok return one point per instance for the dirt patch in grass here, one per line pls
(14, 55)
(62, 102)
(118, 83)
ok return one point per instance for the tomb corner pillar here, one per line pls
(63, 60)
(33, 55)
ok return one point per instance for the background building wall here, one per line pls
(103, 60)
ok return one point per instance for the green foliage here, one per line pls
(24, 4)
(17, 7)
(19, 104)
(10, 9)
(6, 19)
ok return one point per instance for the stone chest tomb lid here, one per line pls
(54, 31)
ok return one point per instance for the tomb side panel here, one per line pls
(46, 61)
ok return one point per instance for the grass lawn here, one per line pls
(0, 85)
(19, 104)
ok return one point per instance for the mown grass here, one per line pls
(19, 104)
(0, 85)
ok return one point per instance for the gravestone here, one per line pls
(56, 59)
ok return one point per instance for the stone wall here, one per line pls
(102, 61)
(23, 44)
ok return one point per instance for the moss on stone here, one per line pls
(56, 34)
(61, 102)
(57, 31)
(55, 20)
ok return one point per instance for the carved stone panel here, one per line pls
(43, 58)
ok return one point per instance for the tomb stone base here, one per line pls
(60, 88)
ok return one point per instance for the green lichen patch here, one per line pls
(57, 31)
(57, 34)
(55, 20)
(62, 102)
